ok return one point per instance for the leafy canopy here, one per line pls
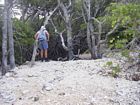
(129, 15)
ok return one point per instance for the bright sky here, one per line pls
(16, 13)
(1, 1)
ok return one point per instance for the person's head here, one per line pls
(42, 28)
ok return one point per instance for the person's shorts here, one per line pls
(43, 45)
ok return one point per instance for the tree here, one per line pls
(128, 14)
(67, 18)
(4, 39)
(7, 33)
(90, 29)
(10, 34)
(91, 10)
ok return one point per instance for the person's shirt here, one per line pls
(46, 33)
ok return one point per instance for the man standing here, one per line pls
(42, 36)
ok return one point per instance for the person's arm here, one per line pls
(35, 36)
(48, 35)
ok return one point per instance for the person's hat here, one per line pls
(42, 28)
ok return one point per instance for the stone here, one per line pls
(25, 92)
(61, 94)
(36, 98)
(47, 87)
(7, 96)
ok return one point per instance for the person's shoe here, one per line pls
(46, 59)
(42, 59)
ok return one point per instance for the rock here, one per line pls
(7, 96)
(25, 92)
(26, 63)
(136, 77)
(16, 68)
(61, 94)
(8, 74)
(58, 78)
(11, 74)
(36, 98)
(90, 103)
(20, 98)
(74, 82)
(47, 87)
(30, 75)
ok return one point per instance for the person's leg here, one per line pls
(46, 55)
(41, 50)
(45, 47)
(41, 55)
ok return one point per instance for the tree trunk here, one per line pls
(93, 44)
(34, 54)
(67, 19)
(89, 38)
(90, 29)
(99, 38)
(11, 40)
(4, 40)
(69, 40)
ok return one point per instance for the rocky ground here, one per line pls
(81, 82)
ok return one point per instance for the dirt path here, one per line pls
(67, 83)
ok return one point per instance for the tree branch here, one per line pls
(62, 15)
(70, 3)
(110, 32)
(60, 33)
(83, 15)
(116, 26)
(49, 15)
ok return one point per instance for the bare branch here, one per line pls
(61, 15)
(58, 2)
(131, 43)
(36, 14)
(110, 32)
(56, 31)
(83, 15)
(96, 10)
(60, 33)
(77, 18)
(70, 3)
(49, 15)
(96, 20)
(99, 22)
(84, 5)
(63, 44)
(116, 26)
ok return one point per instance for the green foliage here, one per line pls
(83, 26)
(109, 63)
(23, 36)
(126, 12)
(23, 32)
(115, 69)
(126, 53)
(78, 4)
(129, 15)
(120, 43)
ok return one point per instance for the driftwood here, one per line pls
(34, 54)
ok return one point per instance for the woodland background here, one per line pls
(96, 27)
